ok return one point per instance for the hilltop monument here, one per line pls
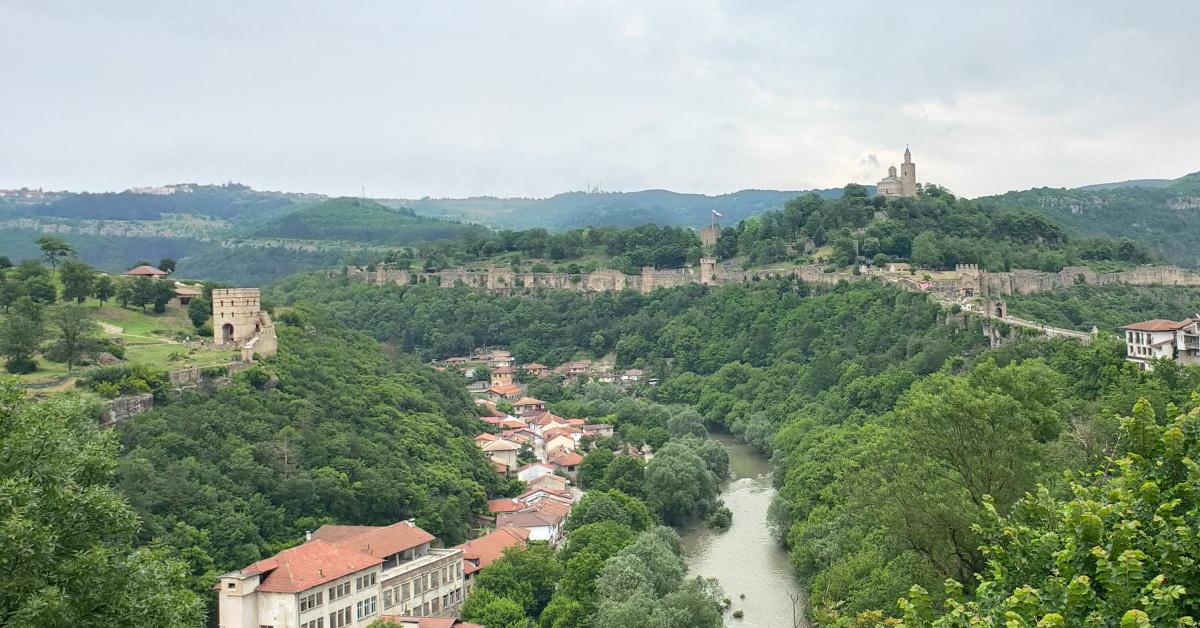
(903, 185)
(239, 322)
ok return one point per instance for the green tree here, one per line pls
(10, 291)
(21, 334)
(161, 294)
(104, 288)
(76, 333)
(1123, 545)
(626, 474)
(492, 611)
(41, 289)
(78, 281)
(54, 249)
(926, 250)
(591, 471)
(167, 264)
(615, 506)
(69, 534)
(125, 294)
(527, 576)
(145, 291)
(679, 484)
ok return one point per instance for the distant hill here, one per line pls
(359, 220)
(1164, 217)
(230, 201)
(573, 210)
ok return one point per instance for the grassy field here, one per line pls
(165, 341)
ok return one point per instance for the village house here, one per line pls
(533, 471)
(559, 443)
(632, 376)
(501, 359)
(1163, 339)
(184, 294)
(597, 430)
(478, 388)
(526, 404)
(567, 462)
(540, 371)
(487, 549)
(552, 482)
(503, 375)
(344, 576)
(145, 271)
(501, 450)
(541, 526)
(507, 392)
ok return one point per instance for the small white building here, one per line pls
(1163, 339)
(533, 471)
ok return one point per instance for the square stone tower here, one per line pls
(238, 320)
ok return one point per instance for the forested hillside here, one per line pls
(1162, 218)
(230, 201)
(1106, 307)
(330, 431)
(894, 430)
(574, 210)
(358, 220)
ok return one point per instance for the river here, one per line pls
(745, 558)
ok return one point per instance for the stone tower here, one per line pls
(239, 321)
(708, 270)
(908, 175)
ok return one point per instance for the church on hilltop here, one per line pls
(905, 184)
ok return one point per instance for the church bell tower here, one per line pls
(908, 175)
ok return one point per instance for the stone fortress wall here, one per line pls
(498, 278)
(981, 283)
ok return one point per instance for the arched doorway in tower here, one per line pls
(227, 333)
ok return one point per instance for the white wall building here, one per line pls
(345, 576)
(1163, 339)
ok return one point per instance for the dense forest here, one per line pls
(898, 437)
(331, 430)
(219, 201)
(1160, 217)
(1106, 307)
(358, 220)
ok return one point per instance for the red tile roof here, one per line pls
(379, 542)
(145, 271)
(503, 370)
(534, 366)
(1157, 324)
(306, 566)
(568, 459)
(484, 436)
(506, 504)
(528, 401)
(490, 547)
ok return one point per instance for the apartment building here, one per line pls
(1162, 339)
(345, 576)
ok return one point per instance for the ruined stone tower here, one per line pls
(238, 320)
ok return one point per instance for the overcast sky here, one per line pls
(514, 98)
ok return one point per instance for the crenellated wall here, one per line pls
(497, 278)
(974, 282)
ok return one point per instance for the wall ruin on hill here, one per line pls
(981, 283)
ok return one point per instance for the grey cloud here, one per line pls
(532, 98)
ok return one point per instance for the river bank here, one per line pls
(745, 558)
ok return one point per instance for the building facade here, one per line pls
(345, 576)
(1162, 340)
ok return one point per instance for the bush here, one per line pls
(21, 364)
(108, 390)
(720, 518)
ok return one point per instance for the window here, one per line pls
(309, 602)
(340, 618)
(387, 598)
(436, 607)
(365, 608)
(404, 591)
(363, 582)
(340, 591)
(433, 579)
(231, 585)
(419, 585)
(316, 623)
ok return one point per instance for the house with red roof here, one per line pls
(487, 549)
(1160, 339)
(526, 404)
(555, 482)
(145, 271)
(427, 622)
(345, 576)
(540, 371)
(502, 375)
(541, 526)
(567, 462)
(507, 392)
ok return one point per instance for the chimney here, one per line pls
(321, 572)
(308, 535)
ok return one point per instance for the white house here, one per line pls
(533, 471)
(1163, 339)
(542, 526)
